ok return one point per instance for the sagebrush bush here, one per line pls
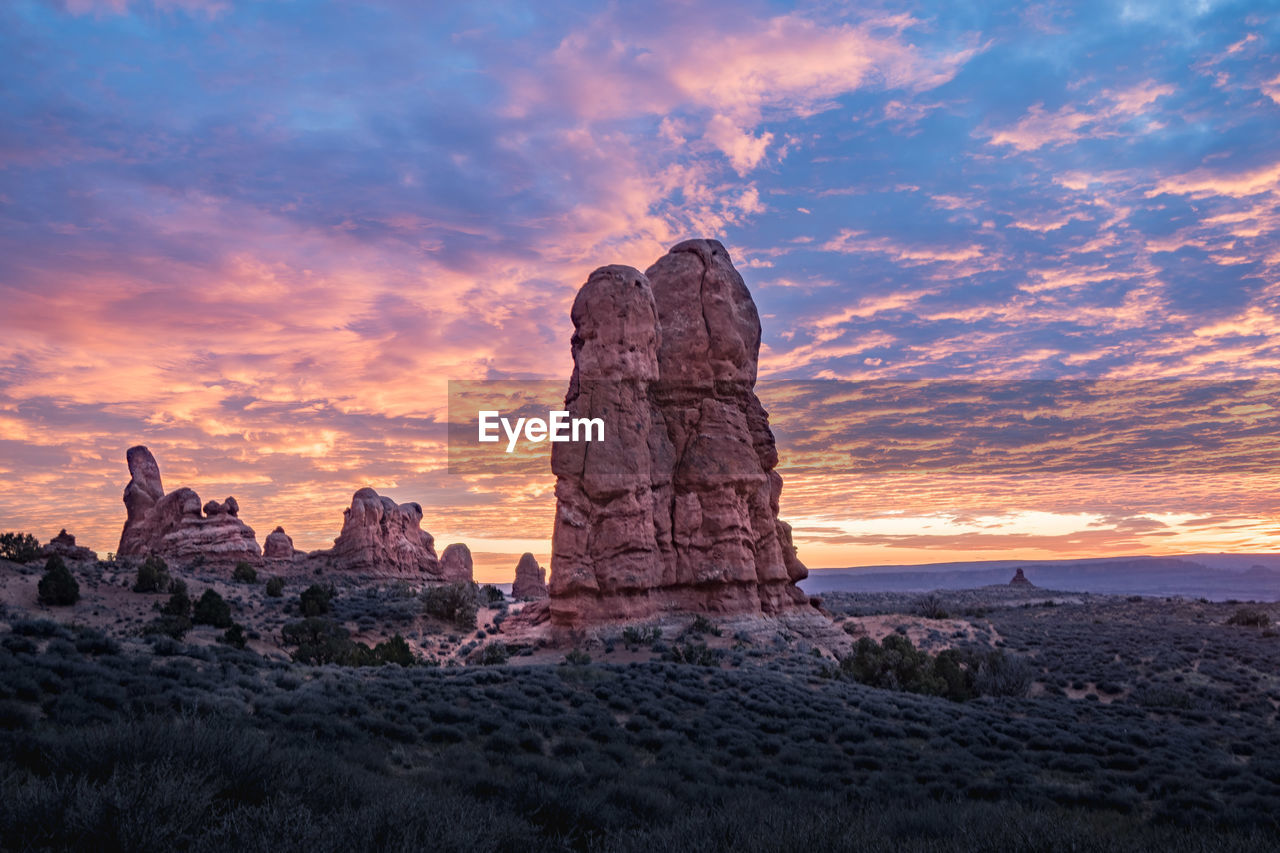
(212, 609)
(316, 600)
(153, 575)
(244, 572)
(57, 587)
(1250, 618)
(454, 602)
(234, 636)
(493, 654)
(275, 587)
(179, 603)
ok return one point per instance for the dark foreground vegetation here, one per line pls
(151, 744)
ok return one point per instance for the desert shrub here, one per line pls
(58, 588)
(322, 641)
(693, 653)
(395, 650)
(275, 587)
(1250, 618)
(167, 625)
(702, 625)
(234, 636)
(635, 636)
(212, 609)
(179, 603)
(316, 600)
(490, 594)
(1000, 674)
(454, 602)
(896, 664)
(930, 606)
(318, 640)
(19, 547)
(577, 657)
(244, 573)
(153, 575)
(493, 654)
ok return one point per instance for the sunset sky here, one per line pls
(261, 237)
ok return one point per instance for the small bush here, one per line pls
(490, 594)
(58, 588)
(316, 600)
(455, 602)
(322, 641)
(179, 603)
(395, 650)
(319, 641)
(493, 654)
(175, 627)
(634, 636)
(930, 606)
(577, 657)
(1249, 618)
(275, 587)
(701, 626)
(234, 636)
(212, 609)
(1000, 674)
(244, 573)
(693, 653)
(153, 575)
(19, 547)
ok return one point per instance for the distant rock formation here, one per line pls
(676, 510)
(531, 580)
(1019, 579)
(382, 538)
(278, 545)
(172, 525)
(455, 563)
(64, 545)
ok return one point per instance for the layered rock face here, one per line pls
(382, 538)
(64, 545)
(173, 526)
(677, 509)
(278, 545)
(456, 564)
(531, 580)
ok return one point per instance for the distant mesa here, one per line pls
(64, 545)
(1019, 579)
(172, 525)
(531, 580)
(676, 511)
(278, 545)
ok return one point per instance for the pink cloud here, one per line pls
(1100, 116)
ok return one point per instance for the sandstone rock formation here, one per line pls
(172, 525)
(382, 538)
(455, 563)
(1019, 579)
(531, 580)
(278, 545)
(676, 510)
(64, 545)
